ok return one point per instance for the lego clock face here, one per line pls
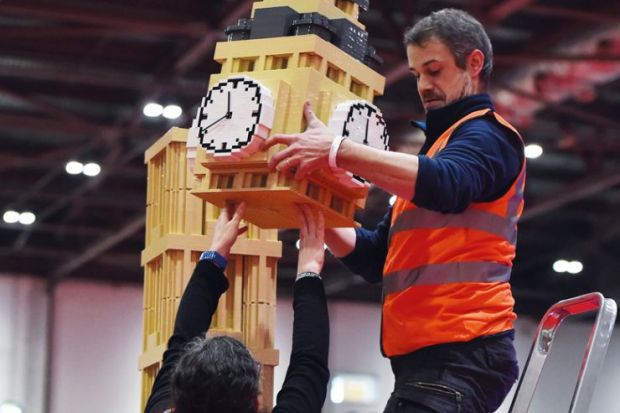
(361, 122)
(235, 115)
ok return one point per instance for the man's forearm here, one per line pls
(196, 308)
(340, 241)
(199, 300)
(307, 375)
(393, 172)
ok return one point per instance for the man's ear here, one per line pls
(475, 63)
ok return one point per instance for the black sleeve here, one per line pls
(305, 384)
(196, 309)
(479, 164)
(368, 257)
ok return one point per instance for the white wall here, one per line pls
(98, 328)
(97, 342)
(354, 347)
(22, 341)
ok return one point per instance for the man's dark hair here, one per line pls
(216, 375)
(459, 31)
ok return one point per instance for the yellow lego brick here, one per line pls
(328, 8)
(174, 134)
(236, 334)
(267, 378)
(152, 357)
(266, 356)
(258, 325)
(148, 379)
(259, 281)
(228, 314)
(300, 51)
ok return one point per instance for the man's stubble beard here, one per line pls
(467, 89)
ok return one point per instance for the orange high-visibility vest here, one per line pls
(446, 276)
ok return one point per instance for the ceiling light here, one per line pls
(172, 111)
(392, 200)
(571, 267)
(10, 407)
(74, 167)
(92, 169)
(27, 218)
(11, 217)
(152, 110)
(574, 267)
(533, 151)
(560, 266)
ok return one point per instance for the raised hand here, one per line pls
(306, 151)
(312, 241)
(227, 228)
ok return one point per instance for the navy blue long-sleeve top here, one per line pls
(479, 164)
(305, 385)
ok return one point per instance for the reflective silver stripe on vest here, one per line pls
(420, 218)
(517, 197)
(453, 272)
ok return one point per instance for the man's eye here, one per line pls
(433, 72)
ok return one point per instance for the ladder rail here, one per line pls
(594, 354)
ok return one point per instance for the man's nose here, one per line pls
(424, 85)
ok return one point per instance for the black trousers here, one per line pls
(471, 377)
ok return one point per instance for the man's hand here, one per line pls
(312, 241)
(227, 228)
(306, 152)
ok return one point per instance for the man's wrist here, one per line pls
(215, 258)
(333, 151)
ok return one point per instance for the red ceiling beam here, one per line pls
(505, 9)
(399, 71)
(106, 18)
(206, 44)
(577, 113)
(555, 57)
(29, 122)
(130, 203)
(55, 112)
(571, 193)
(95, 76)
(42, 33)
(96, 249)
(585, 16)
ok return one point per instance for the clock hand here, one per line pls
(228, 110)
(366, 133)
(216, 121)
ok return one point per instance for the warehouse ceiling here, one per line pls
(75, 76)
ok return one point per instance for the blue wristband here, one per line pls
(216, 258)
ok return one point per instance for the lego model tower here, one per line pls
(286, 53)
(178, 229)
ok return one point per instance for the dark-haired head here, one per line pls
(216, 375)
(451, 56)
(460, 31)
